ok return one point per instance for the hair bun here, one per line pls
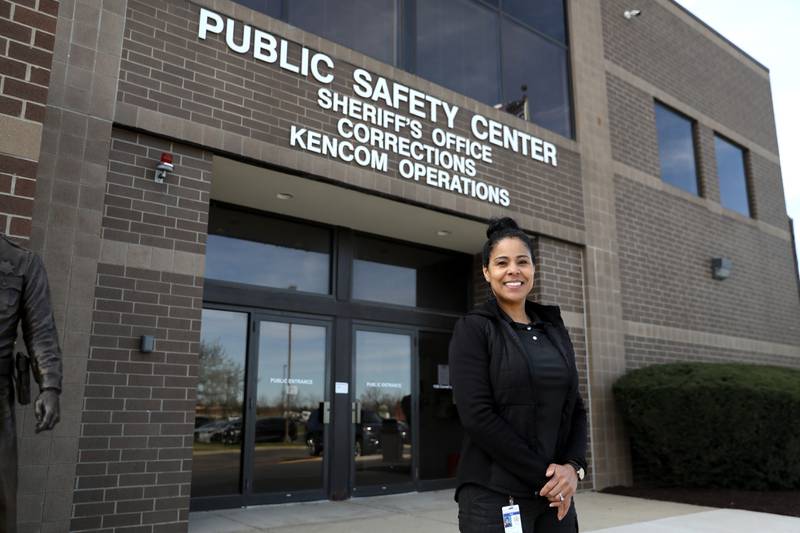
(500, 224)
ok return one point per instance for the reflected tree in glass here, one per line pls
(220, 402)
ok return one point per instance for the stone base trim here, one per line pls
(573, 320)
(688, 336)
(151, 258)
(20, 138)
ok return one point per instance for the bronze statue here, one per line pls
(25, 299)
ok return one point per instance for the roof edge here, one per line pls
(718, 34)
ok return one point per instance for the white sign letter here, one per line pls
(207, 16)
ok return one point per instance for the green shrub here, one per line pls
(714, 425)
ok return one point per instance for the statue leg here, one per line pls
(8, 458)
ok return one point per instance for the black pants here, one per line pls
(8, 458)
(480, 511)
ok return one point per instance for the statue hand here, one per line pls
(46, 409)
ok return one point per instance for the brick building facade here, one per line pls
(91, 95)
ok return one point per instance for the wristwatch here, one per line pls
(578, 470)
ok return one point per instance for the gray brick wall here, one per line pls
(766, 190)
(166, 68)
(27, 40)
(665, 248)
(135, 449)
(632, 119)
(705, 155)
(662, 49)
(173, 215)
(559, 274)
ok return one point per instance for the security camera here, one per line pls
(630, 13)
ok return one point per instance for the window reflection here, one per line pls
(402, 274)
(732, 177)
(676, 149)
(367, 26)
(259, 250)
(529, 59)
(220, 395)
(269, 7)
(547, 16)
(384, 283)
(457, 47)
(290, 389)
(455, 43)
(440, 431)
(383, 389)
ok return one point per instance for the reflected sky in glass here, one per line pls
(269, 7)
(367, 26)
(269, 265)
(547, 16)
(731, 174)
(306, 367)
(379, 282)
(530, 60)
(676, 149)
(382, 358)
(457, 47)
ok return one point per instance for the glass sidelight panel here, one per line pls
(440, 431)
(289, 429)
(216, 461)
(383, 408)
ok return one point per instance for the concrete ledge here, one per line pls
(151, 258)
(655, 182)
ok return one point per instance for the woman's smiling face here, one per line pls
(510, 271)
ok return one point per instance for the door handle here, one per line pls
(326, 412)
(356, 412)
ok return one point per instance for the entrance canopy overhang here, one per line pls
(261, 188)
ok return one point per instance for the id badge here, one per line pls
(512, 520)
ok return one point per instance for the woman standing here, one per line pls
(515, 385)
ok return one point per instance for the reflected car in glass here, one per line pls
(212, 431)
(368, 433)
(269, 429)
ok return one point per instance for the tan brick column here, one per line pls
(65, 231)
(605, 328)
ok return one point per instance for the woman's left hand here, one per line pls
(562, 485)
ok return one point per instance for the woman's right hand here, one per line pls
(562, 506)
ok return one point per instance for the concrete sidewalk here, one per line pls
(430, 512)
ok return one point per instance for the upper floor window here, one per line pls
(676, 148)
(732, 176)
(368, 26)
(484, 49)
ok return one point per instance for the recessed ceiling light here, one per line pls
(284, 196)
(443, 233)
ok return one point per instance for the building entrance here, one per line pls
(323, 368)
(262, 378)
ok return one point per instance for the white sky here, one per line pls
(767, 31)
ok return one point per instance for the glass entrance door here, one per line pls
(286, 431)
(382, 420)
